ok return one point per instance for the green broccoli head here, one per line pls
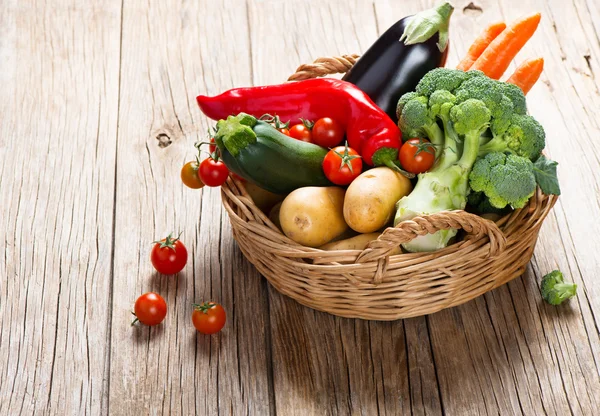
(403, 100)
(524, 137)
(491, 93)
(440, 104)
(555, 290)
(516, 96)
(505, 179)
(441, 79)
(470, 117)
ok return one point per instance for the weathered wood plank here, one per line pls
(58, 118)
(173, 51)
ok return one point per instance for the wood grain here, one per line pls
(173, 51)
(97, 117)
(58, 118)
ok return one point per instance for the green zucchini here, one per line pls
(259, 153)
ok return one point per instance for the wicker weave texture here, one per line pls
(371, 284)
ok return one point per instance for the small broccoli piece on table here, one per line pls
(555, 290)
(505, 179)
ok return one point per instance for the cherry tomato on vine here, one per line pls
(169, 255)
(284, 130)
(301, 132)
(212, 171)
(208, 317)
(417, 155)
(150, 309)
(212, 147)
(189, 175)
(327, 132)
(342, 165)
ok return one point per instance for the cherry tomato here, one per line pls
(327, 132)
(169, 255)
(212, 147)
(213, 172)
(301, 132)
(150, 309)
(208, 317)
(285, 131)
(189, 175)
(342, 165)
(417, 155)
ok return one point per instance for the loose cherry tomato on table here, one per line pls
(302, 131)
(189, 175)
(169, 255)
(342, 165)
(150, 309)
(212, 171)
(208, 317)
(417, 155)
(327, 132)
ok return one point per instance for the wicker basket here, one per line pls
(371, 284)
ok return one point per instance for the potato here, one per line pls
(371, 198)
(358, 242)
(313, 216)
(262, 198)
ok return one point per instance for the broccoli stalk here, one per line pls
(555, 290)
(467, 115)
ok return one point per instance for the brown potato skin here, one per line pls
(262, 198)
(370, 201)
(313, 216)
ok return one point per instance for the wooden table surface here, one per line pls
(97, 116)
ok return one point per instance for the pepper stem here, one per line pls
(427, 23)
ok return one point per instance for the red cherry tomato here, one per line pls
(285, 131)
(208, 317)
(327, 132)
(213, 172)
(169, 255)
(150, 309)
(417, 155)
(342, 165)
(212, 147)
(301, 132)
(189, 175)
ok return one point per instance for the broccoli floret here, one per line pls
(524, 137)
(555, 290)
(504, 179)
(441, 79)
(417, 118)
(516, 96)
(407, 132)
(489, 91)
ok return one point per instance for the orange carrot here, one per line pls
(526, 75)
(479, 45)
(496, 57)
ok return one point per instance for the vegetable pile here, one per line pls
(334, 162)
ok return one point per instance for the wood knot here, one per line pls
(163, 140)
(472, 8)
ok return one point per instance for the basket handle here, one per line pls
(407, 230)
(324, 66)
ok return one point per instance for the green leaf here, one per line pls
(545, 175)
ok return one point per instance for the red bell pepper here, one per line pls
(369, 130)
